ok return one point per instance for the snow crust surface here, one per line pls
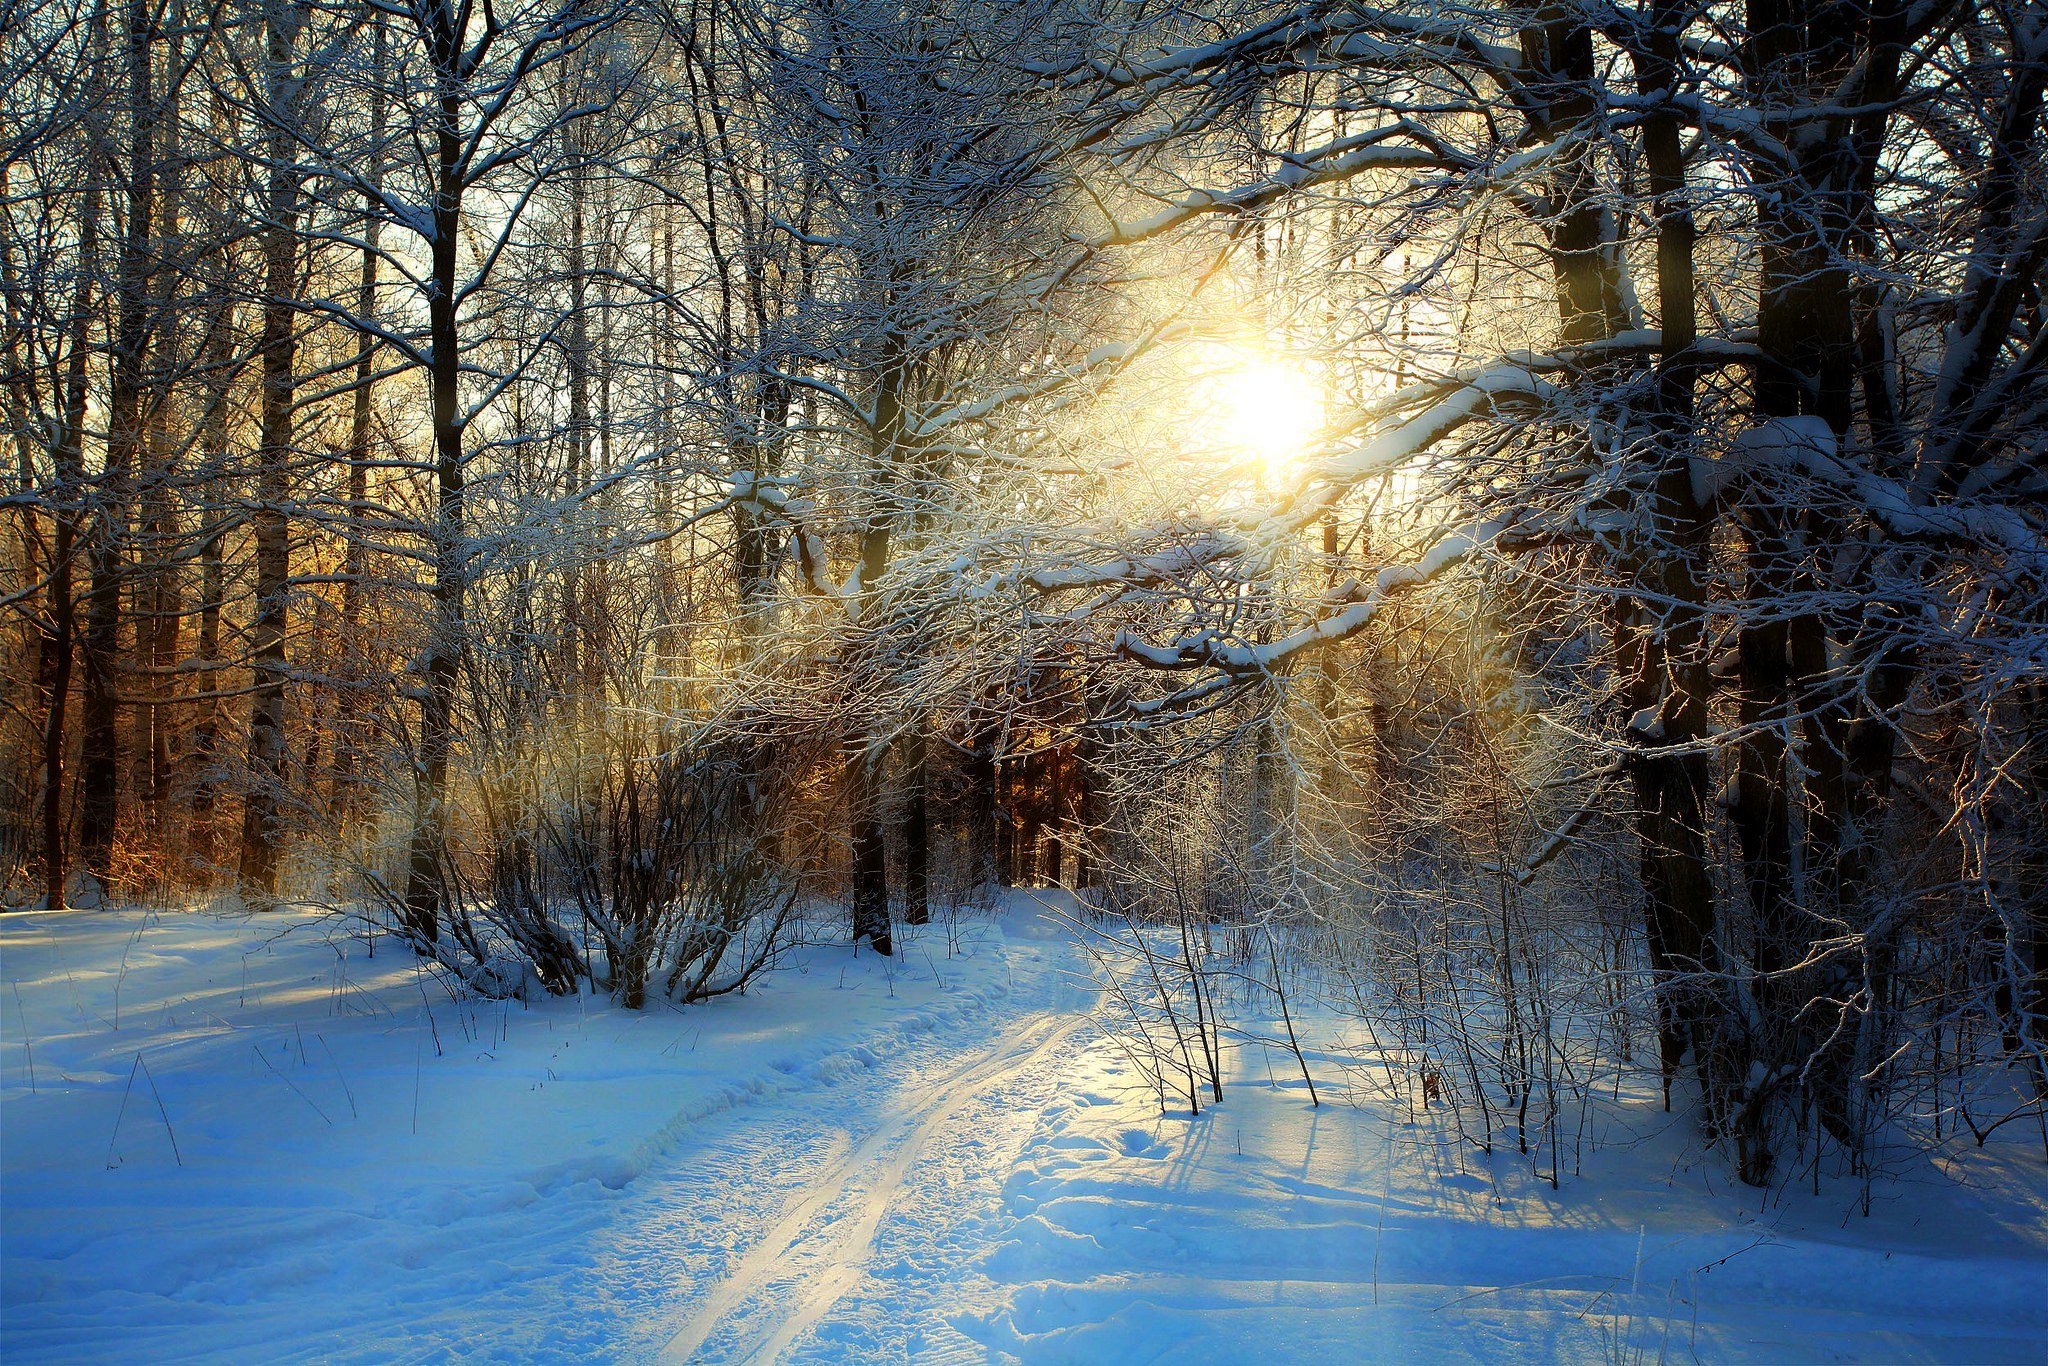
(236, 1138)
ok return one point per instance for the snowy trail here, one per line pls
(935, 1158)
(835, 1245)
(567, 1183)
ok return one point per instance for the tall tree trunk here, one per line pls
(355, 564)
(100, 750)
(1003, 778)
(1558, 51)
(161, 599)
(263, 816)
(423, 903)
(1793, 782)
(205, 758)
(1668, 684)
(869, 870)
(870, 860)
(203, 835)
(984, 834)
(1274, 803)
(916, 838)
(57, 647)
(574, 661)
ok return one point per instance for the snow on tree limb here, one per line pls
(1339, 161)
(1209, 649)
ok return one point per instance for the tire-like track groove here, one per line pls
(888, 1153)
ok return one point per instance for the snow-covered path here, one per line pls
(224, 1143)
(751, 1179)
(933, 1161)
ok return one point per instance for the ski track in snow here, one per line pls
(846, 1224)
(877, 1163)
(808, 1154)
(833, 1245)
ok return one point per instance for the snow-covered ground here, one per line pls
(251, 1139)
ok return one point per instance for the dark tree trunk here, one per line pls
(870, 857)
(56, 651)
(870, 866)
(99, 765)
(423, 903)
(1664, 639)
(916, 836)
(262, 821)
(159, 594)
(984, 834)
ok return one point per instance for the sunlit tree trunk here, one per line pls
(355, 566)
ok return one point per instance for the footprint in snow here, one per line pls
(1138, 1143)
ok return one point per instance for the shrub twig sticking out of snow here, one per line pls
(122, 1113)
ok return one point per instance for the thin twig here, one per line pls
(164, 1114)
(294, 1085)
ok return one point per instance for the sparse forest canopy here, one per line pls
(1533, 514)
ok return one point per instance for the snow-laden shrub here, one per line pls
(634, 875)
(682, 892)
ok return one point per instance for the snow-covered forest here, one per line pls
(1144, 678)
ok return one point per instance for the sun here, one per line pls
(1269, 411)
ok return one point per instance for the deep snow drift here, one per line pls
(250, 1138)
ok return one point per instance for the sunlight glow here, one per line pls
(1268, 411)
